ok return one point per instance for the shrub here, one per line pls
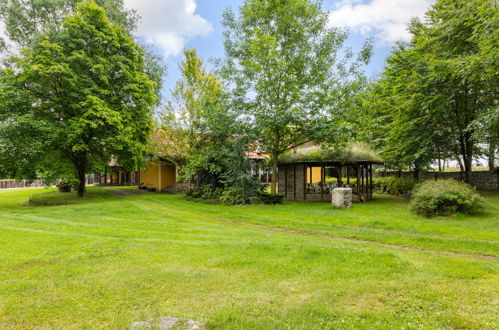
(267, 198)
(64, 186)
(205, 193)
(444, 197)
(194, 194)
(344, 180)
(394, 185)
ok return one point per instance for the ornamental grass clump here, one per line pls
(444, 197)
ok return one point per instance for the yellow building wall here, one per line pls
(158, 176)
(149, 176)
(316, 174)
(168, 176)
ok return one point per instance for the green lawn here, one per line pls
(116, 258)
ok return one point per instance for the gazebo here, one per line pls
(311, 173)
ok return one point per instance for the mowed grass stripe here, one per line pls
(480, 248)
(372, 215)
(199, 239)
(171, 209)
(242, 278)
(167, 225)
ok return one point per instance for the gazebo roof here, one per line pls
(351, 154)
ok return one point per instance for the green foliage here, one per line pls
(271, 199)
(205, 192)
(233, 196)
(208, 135)
(196, 125)
(437, 97)
(394, 185)
(351, 153)
(283, 60)
(76, 99)
(26, 21)
(232, 179)
(240, 187)
(344, 180)
(66, 185)
(445, 197)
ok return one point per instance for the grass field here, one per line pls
(119, 257)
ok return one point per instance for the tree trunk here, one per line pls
(467, 170)
(81, 182)
(492, 155)
(273, 185)
(468, 160)
(460, 163)
(81, 169)
(416, 174)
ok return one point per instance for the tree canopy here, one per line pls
(195, 120)
(289, 79)
(28, 20)
(75, 100)
(437, 97)
(201, 127)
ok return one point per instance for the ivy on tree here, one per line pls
(75, 100)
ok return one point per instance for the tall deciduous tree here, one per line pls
(27, 22)
(283, 60)
(439, 92)
(200, 126)
(76, 99)
(195, 120)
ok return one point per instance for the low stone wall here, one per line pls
(5, 184)
(179, 187)
(479, 179)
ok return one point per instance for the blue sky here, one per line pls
(173, 25)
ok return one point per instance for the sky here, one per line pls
(170, 26)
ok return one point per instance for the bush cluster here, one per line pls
(233, 196)
(344, 180)
(394, 185)
(207, 193)
(444, 197)
(268, 198)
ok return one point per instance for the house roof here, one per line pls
(257, 155)
(353, 153)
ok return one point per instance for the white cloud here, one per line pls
(169, 24)
(387, 19)
(12, 48)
